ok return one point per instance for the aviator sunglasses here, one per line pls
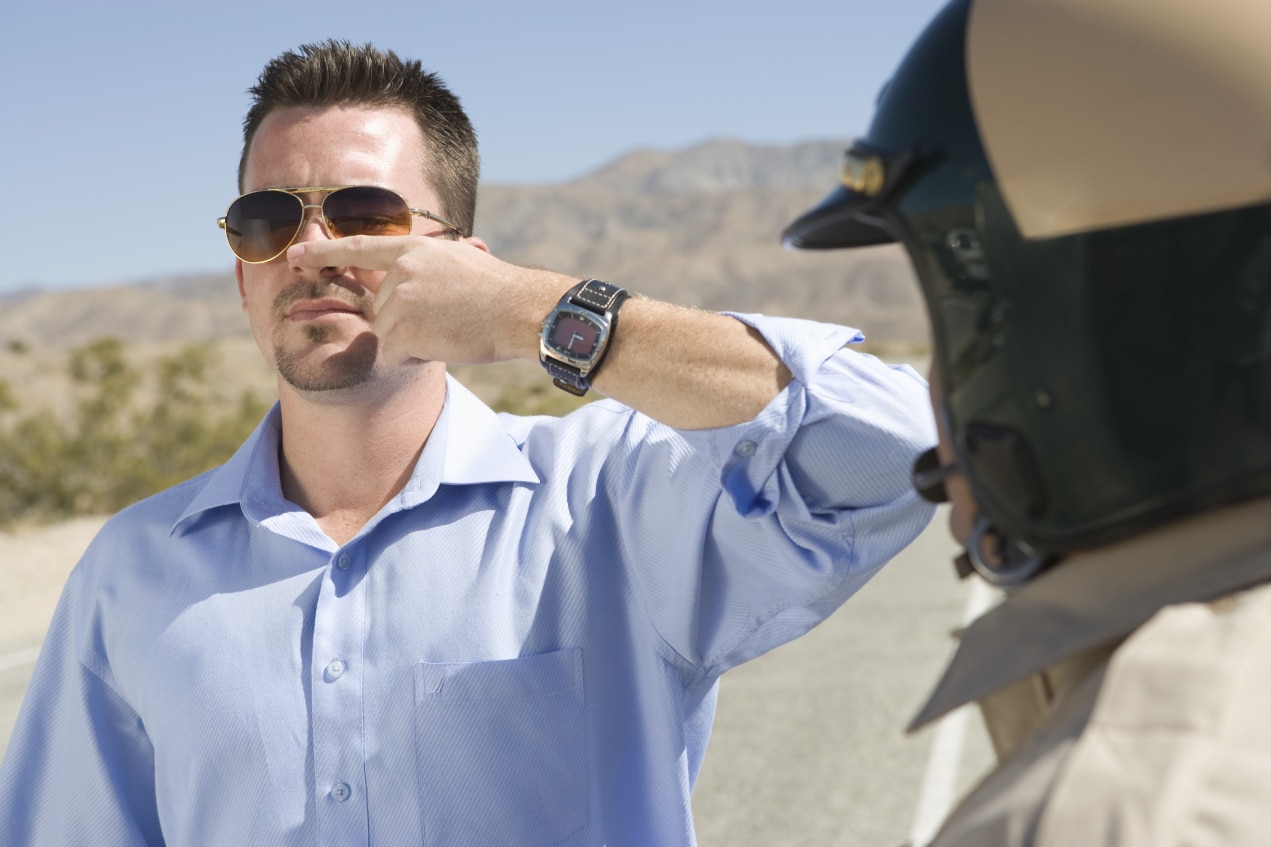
(261, 225)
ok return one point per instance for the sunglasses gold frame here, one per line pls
(326, 191)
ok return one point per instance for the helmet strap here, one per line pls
(1014, 563)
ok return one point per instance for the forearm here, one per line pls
(683, 367)
(689, 369)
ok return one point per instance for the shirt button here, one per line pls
(745, 448)
(341, 792)
(343, 561)
(335, 670)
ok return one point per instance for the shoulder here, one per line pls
(161, 510)
(1177, 740)
(1206, 652)
(138, 526)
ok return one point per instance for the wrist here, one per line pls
(575, 336)
(533, 294)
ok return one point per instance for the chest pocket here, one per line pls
(501, 750)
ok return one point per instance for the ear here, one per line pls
(238, 274)
(476, 242)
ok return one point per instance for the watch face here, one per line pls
(575, 336)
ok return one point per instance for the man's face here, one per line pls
(314, 326)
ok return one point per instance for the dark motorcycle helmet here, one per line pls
(1084, 190)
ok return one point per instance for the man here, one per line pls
(394, 617)
(1084, 188)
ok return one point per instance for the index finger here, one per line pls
(371, 253)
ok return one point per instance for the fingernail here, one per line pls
(295, 251)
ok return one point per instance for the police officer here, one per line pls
(1084, 188)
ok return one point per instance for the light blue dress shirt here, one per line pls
(522, 648)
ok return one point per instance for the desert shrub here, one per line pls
(113, 449)
(132, 432)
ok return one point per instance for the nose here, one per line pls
(312, 227)
(312, 224)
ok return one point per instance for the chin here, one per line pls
(319, 371)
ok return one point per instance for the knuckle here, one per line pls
(401, 266)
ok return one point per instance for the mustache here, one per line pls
(319, 290)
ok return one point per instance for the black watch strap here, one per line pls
(598, 296)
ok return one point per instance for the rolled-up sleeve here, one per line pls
(812, 497)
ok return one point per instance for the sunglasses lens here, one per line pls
(366, 210)
(260, 225)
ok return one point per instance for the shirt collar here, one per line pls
(468, 446)
(473, 448)
(1093, 598)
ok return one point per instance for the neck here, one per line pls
(345, 454)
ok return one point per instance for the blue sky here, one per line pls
(121, 120)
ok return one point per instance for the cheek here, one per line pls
(258, 295)
(256, 302)
(962, 508)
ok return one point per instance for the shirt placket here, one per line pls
(339, 748)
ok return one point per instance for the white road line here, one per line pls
(18, 659)
(936, 796)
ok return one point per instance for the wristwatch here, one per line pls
(576, 334)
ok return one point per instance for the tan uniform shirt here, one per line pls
(1128, 692)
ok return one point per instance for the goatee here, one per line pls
(353, 366)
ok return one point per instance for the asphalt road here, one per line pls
(809, 745)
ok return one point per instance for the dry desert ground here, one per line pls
(35, 562)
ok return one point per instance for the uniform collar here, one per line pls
(1090, 599)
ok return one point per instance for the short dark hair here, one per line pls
(335, 73)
